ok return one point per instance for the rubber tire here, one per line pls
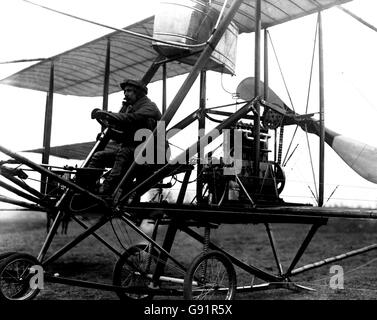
(26, 293)
(6, 254)
(117, 273)
(222, 258)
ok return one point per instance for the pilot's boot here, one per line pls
(106, 188)
(87, 181)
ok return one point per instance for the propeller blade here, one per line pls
(359, 156)
(246, 91)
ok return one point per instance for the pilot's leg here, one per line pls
(123, 160)
(100, 160)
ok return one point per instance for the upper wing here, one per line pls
(80, 71)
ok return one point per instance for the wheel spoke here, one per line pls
(214, 276)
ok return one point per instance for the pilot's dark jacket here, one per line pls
(143, 114)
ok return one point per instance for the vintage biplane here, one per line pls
(244, 186)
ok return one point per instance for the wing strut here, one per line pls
(358, 18)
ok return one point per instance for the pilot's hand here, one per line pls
(93, 115)
(100, 114)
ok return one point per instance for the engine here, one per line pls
(245, 186)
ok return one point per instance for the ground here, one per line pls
(25, 231)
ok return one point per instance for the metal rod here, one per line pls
(105, 98)
(260, 214)
(182, 191)
(104, 219)
(167, 245)
(83, 283)
(358, 18)
(50, 236)
(21, 193)
(265, 60)
(47, 125)
(108, 287)
(257, 65)
(164, 82)
(225, 113)
(103, 241)
(321, 114)
(151, 71)
(201, 128)
(182, 124)
(333, 259)
(273, 247)
(23, 185)
(21, 203)
(244, 190)
(302, 248)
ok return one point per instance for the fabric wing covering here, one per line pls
(76, 151)
(80, 71)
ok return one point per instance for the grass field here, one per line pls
(24, 231)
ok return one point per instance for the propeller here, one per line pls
(359, 156)
(246, 87)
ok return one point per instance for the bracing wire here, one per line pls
(290, 144)
(311, 164)
(290, 156)
(139, 35)
(311, 67)
(286, 88)
(116, 235)
(309, 87)
(307, 104)
(281, 71)
(332, 193)
(23, 60)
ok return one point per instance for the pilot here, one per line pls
(138, 112)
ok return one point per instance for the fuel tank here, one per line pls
(189, 23)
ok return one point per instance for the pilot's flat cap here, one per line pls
(134, 83)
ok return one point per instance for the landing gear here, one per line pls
(133, 270)
(15, 275)
(211, 276)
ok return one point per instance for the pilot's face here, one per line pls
(130, 94)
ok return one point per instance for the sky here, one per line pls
(350, 49)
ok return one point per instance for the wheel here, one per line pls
(211, 276)
(280, 177)
(6, 254)
(131, 270)
(15, 277)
